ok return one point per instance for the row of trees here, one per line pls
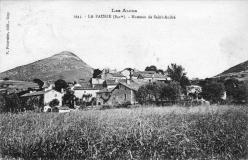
(158, 93)
(213, 90)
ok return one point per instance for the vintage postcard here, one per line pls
(123, 79)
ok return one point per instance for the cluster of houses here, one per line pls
(108, 88)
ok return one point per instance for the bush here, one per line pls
(124, 105)
(106, 106)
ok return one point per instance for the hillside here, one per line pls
(65, 65)
(239, 71)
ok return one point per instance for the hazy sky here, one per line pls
(206, 37)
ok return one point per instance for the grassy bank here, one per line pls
(206, 132)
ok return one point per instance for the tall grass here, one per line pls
(206, 132)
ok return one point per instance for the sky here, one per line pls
(206, 37)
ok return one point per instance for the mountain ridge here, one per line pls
(239, 71)
(64, 65)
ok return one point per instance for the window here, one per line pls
(125, 97)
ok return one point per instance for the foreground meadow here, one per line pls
(204, 132)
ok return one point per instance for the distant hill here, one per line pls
(239, 71)
(64, 65)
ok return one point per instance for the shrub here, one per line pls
(126, 104)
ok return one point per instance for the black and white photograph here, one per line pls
(123, 80)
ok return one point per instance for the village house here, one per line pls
(147, 76)
(46, 96)
(123, 92)
(18, 86)
(152, 76)
(86, 92)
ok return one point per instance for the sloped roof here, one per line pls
(18, 84)
(108, 90)
(33, 94)
(37, 93)
(155, 75)
(133, 85)
(89, 87)
(98, 86)
(117, 74)
(114, 82)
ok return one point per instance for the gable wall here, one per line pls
(120, 95)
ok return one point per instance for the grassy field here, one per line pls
(205, 132)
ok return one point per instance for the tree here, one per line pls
(230, 85)
(151, 68)
(177, 73)
(213, 91)
(69, 98)
(142, 94)
(60, 84)
(240, 94)
(160, 71)
(184, 82)
(237, 92)
(96, 73)
(171, 91)
(39, 82)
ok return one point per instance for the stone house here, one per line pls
(123, 92)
